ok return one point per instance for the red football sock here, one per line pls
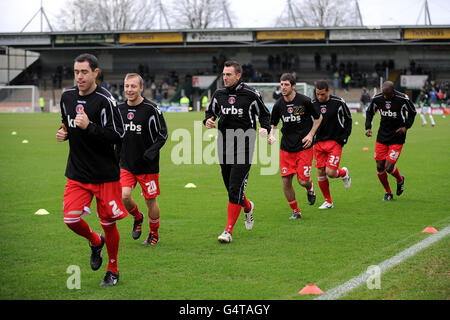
(135, 213)
(293, 204)
(112, 239)
(311, 188)
(247, 206)
(233, 214)
(340, 173)
(396, 174)
(154, 225)
(82, 228)
(382, 176)
(325, 188)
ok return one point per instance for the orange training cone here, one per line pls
(430, 230)
(310, 289)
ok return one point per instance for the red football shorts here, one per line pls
(78, 197)
(390, 153)
(149, 182)
(327, 154)
(296, 163)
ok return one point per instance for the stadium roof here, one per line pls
(255, 37)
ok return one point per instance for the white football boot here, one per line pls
(346, 179)
(249, 217)
(326, 205)
(225, 237)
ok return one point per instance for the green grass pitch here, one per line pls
(273, 261)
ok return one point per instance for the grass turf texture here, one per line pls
(273, 261)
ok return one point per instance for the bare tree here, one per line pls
(75, 16)
(202, 14)
(319, 13)
(108, 15)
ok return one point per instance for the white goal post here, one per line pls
(19, 99)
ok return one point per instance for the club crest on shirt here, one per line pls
(323, 109)
(388, 104)
(79, 108)
(290, 109)
(231, 100)
(130, 116)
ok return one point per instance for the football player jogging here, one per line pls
(300, 123)
(235, 107)
(425, 108)
(397, 116)
(145, 134)
(93, 125)
(331, 137)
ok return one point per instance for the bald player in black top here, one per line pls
(397, 116)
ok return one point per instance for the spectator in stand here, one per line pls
(433, 95)
(277, 93)
(374, 79)
(336, 80)
(256, 76)
(347, 80)
(349, 67)
(159, 96)
(433, 83)
(391, 64)
(270, 61)
(364, 79)
(153, 87)
(440, 95)
(365, 101)
(54, 80)
(35, 79)
(146, 76)
(214, 64)
(165, 90)
(317, 59)
(113, 89)
(333, 59)
(59, 73)
(412, 66)
(278, 62)
(221, 61)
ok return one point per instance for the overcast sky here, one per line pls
(15, 14)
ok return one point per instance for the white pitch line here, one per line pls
(357, 281)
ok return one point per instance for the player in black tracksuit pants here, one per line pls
(235, 107)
